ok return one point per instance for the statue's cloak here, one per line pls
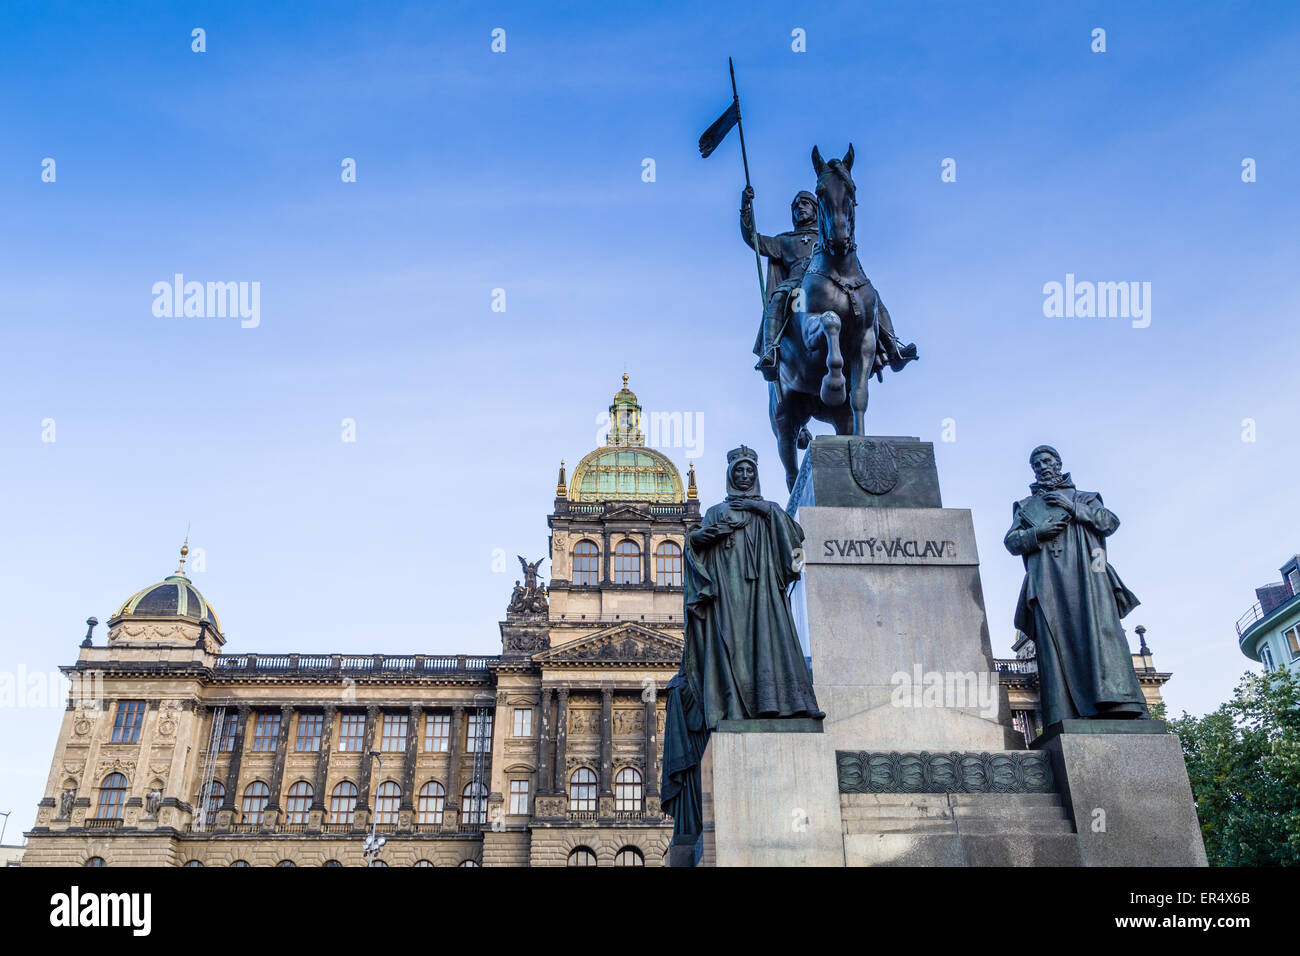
(742, 658)
(1070, 606)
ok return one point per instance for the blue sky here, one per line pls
(523, 171)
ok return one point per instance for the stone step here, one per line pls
(956, 813)
(950, 799)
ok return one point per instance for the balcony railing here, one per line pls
(1257, 613)
(629, 814)
(1016, 665)
(103, 823)
(325, 664)
(617, 618)
(582, 814)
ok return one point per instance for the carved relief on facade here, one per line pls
(124, 767)
(584, 722)
(629, 721)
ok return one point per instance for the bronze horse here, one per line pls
(829, 348)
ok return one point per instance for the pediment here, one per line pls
(622, 642)
(627, 513)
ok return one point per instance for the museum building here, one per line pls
(173, 752)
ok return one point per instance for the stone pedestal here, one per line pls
(892, 610)
(775, 801)
(1126, 786)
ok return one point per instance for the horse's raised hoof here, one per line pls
(803, 439)
(834, 390)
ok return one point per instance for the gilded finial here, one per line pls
(185, 549)
(625, 379)
(561, 486)
(691, 490)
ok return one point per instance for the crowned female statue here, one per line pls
(742, 659)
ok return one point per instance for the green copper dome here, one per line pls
(624, 469)
(624, 473)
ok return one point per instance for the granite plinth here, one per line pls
(1127, 792)
(775, 801)
(891, 608)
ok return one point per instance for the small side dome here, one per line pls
(174, 596)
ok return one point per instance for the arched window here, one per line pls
(468, 863)
(582, 856)
(288, 863)
(112, 794)
(432, 799)
(378, 862)
(474, 803)
(343, 802)
(300, 796)
(216, 793)
(390, 798)
(629, 856)
(95, 861)
(331, 863)
(239, 863)
(627, 789)
(668, 565)
(193, 863)
(627, 562)
(582, 790)
(423, 863)
(256, 797)
(586, 563)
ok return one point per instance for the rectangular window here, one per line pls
(523, 722)
(1293, 579)
(394, 740)
(265, 731)
(309, 732)
(519, 796)
(127, 723)
(229, 733)
(352, 733)
(1266, 654)
(1293, 641)
(437, 731)
(473, 741)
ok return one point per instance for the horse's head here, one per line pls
(836, 197)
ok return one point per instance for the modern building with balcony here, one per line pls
(1269, 632)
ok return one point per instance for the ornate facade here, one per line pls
(174, 752)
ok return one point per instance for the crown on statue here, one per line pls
(743, 451)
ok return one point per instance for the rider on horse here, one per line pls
(787, 259)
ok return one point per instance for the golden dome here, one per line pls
(624, 469)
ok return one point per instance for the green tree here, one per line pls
(1244, 764)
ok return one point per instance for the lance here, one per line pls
(744, 158)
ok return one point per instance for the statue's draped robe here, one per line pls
(1072, 613)
(742, 657)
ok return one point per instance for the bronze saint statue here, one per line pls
(742, 659)
(1072, 600)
